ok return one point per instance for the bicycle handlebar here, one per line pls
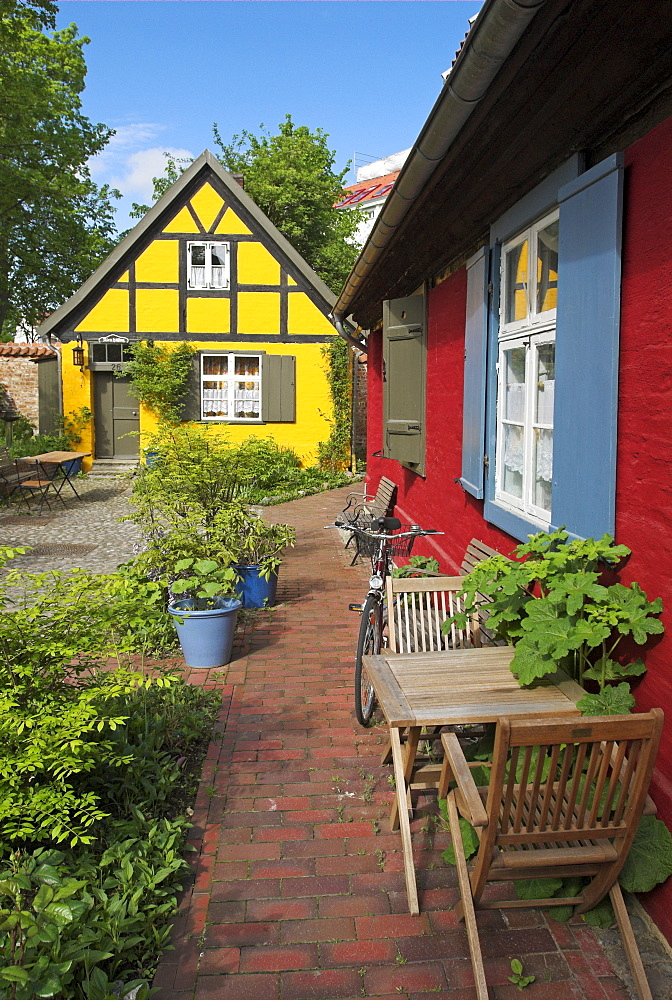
(416, 531)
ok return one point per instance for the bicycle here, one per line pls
(380, 545)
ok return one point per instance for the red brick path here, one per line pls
(299, 887)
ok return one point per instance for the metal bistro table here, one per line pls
(455, 687)
(53, 462)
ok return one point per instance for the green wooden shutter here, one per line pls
(191, 401)
(278, 388)
(404, 361)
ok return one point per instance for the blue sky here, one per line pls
(161, 72)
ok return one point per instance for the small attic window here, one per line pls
(208, 265)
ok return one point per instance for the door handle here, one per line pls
(135, 413)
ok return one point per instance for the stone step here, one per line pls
(107, 467)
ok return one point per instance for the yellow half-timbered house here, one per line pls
(204, 265)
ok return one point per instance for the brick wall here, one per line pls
(359, 409)
(18, 378)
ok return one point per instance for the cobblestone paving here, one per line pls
(86, 533)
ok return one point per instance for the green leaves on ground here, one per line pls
(102, 764)
(517, 977)
(649, 860)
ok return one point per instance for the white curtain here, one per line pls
(544, 455)
(197, 278)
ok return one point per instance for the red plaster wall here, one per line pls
(436, 501)
(644, 479)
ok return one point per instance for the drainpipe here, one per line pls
(360, 345)
(494, 35)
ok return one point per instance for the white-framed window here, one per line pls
(208, 265)
(230, 387)
(526, 370)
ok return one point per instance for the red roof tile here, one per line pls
(26, 351)
(356, 194)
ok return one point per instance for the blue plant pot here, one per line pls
(152, 458)
(206, 637)
(73, 467)
(253, 590)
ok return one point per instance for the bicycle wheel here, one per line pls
(370, 641)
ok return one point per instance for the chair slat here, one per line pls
(564, 800)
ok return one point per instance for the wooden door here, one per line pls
(116, 416)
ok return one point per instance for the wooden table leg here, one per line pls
(400, 809)
(408, 751)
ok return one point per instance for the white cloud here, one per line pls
(129, 163)
(135, 177)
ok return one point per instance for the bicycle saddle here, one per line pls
(387, 523)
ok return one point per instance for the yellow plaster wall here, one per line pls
(313, 403)
(208, 315)
(159, 262)
(259, 312)
(77, 392)
(256, 266)
(303, 316)
(182, 223)
(232, 224)
(207, 203)
(110, 315)
(157, 310)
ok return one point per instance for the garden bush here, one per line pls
(97, 769)
(68, 434)
(198, 466)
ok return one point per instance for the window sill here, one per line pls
(517, 524)
(214, 420)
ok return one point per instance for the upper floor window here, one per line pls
(231, 387)
(526, 370)
(208, 265)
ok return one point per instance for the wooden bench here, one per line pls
(362, 509)
(417, 607)
(10, 477)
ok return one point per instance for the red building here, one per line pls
(516, 294)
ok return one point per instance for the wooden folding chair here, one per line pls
(35, 480)
(564, 799)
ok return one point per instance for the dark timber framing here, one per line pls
(205, 169)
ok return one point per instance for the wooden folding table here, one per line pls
(455, 687)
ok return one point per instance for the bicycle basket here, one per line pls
(402, 546)
(367, 545)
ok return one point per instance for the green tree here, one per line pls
(292, 179)
(55, 223)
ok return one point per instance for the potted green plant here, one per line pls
(194, 567)
(257, 547)
(555, 604)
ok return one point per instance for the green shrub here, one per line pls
(26, 442)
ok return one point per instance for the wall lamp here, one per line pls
(78, 353)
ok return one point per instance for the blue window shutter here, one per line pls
(587, 338)
(475, 360)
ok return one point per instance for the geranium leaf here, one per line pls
(469, 840)
(611, 700)
(649, 860)
(529, 664)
